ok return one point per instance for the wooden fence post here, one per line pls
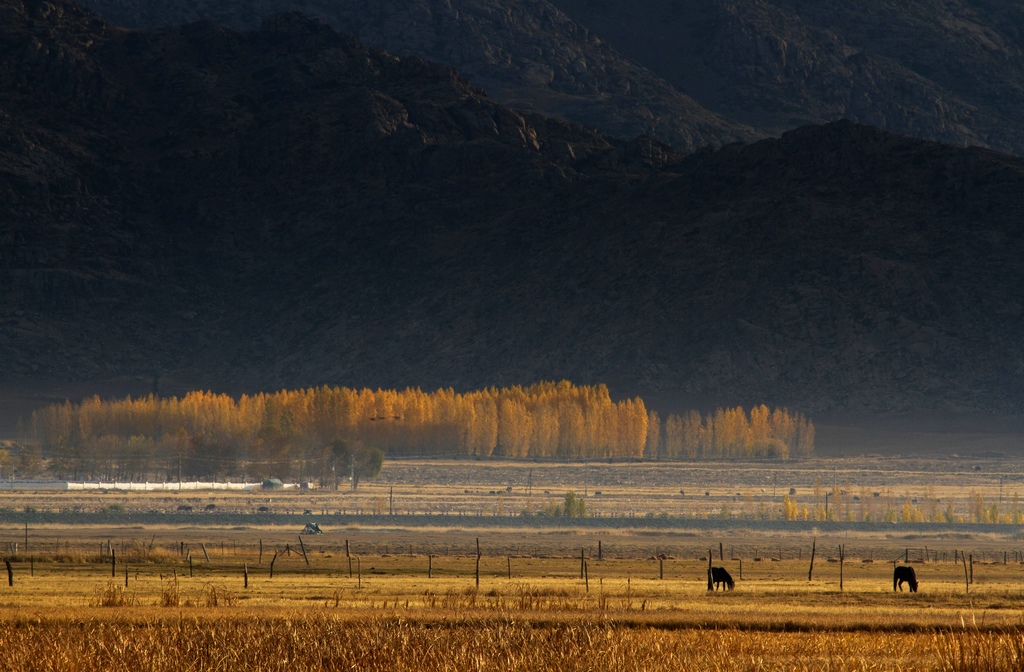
(582, 560)
(842, 557)
(711, 583)
(586, 576)
(245, 575)
(967, 582)
(272, 561)
(303, 547)
(810, 572)
(430, 567)
(113, 567)
(260, 561)
(359, 572)
(205, 554)
(599, 554)
(10, 572)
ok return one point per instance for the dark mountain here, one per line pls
(525, 54)
(287, 207)
(947, 70)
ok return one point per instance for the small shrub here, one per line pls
(169, 594)
(217, 597)
(115, 595)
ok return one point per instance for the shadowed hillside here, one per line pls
(525, 54)
(947, 70)
(201, 208)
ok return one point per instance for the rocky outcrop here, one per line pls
(526, 54)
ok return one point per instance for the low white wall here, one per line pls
(128, 485)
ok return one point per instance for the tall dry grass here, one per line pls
(971, 650)
(320, 641)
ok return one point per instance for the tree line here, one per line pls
(295, 433)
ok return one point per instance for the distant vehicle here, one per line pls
(263, 509)
(312, 528)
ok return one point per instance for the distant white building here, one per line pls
(173, 486)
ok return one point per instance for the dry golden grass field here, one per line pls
(195, 592)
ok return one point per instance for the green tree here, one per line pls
(574, 506)
(356, 460)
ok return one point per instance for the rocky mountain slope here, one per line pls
(526, 54)
(287, 207)
(947, 70)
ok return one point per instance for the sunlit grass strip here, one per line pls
(324, 642)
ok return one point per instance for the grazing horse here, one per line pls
(901, 574)
(720, 576)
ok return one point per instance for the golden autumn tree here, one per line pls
(652, 444)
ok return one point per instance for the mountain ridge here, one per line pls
(287, 207)
(946, 70)
(528, 55)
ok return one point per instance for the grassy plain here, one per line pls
(405, 596)
(71, 614)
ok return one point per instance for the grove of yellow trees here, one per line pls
(289, 432)
(732, 433)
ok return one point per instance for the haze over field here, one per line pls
(275, 204)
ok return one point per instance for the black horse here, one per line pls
(901, 574)
(721, 577)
